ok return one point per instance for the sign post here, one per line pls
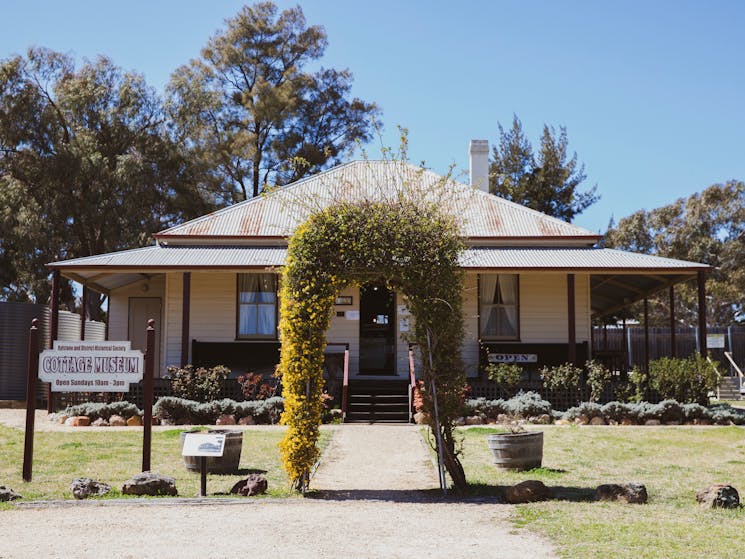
(32, 368)
(203, 445)
(147, 403)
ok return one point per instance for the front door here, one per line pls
(142, 309)
(377, 330)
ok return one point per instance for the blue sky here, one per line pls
(652, 92)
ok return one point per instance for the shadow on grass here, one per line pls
(560, 492)
(247, 471)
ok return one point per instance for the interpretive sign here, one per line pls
(91, 366)
(513, 358)
(715, 341)
(203, 444)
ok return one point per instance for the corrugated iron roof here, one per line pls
(504, 258)
(279, 212)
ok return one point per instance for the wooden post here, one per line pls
(53, 329)
(147, 404)
(572, 321)
(646, 334)
(702, 314)
(185, 315)
(83, 311)
(673, 350)
(32, 370)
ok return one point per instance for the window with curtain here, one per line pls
(257, 305)
(498, 306)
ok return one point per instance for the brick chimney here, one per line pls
(478, 153)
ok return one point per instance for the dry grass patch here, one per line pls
(673, 462)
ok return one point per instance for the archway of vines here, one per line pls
(411, 246)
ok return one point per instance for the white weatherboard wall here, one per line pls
(342, 330)
(543, 308)
(470, 350)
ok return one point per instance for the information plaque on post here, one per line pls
(203, 445)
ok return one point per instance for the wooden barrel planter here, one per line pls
(225, 464)
(517, 451)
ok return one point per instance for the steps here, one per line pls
(378, 401)
(729, 388)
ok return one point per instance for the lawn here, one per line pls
(114, 456)
(673, 462)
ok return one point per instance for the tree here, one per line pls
(86, 167)
(250, 114)
(546, 181)
(706, 227)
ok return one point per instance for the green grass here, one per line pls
(115, 456)
(673, 463)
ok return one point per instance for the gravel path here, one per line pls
(376, 498)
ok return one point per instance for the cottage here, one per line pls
(533, 283)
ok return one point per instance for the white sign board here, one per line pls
(714, 341)
(91, 366)
(203, 444)
(352, 315)
(513, 358)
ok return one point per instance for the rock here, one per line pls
(100, 422)
(652, 422)
(474, 420)
(562, 422)
(134, 421)
(626, 421)
(421, 418)
(582, 420)
(248, 420)
(702, 421)
(150, 483)
(543, 419)
(503, 418)
(225, 419)
(85, 487)
(62, 418)
(612, 422)
(597, 420)
(528, 492)
(634, 493)
(78, 421)
(460, 420)
(117, 421)
(254, 484)
(719, 496)
(7, 494)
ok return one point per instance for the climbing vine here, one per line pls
(412, 246)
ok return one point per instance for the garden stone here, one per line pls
(85, 487)
(7, 494)
(134, 421)
(503, 418)
(652, 422)
(100, 422)
(582, 420)
(528, 491)
(150, 483)
(719, 496)
(543, 419)
(474, 420)
(225, 419)
(117, 421)
(626, 421)
(78, 421)
(62, 418)
(702, 421)
(597, 420)
(673, 422)
(633, 493)
(254, 484)
(248, 420)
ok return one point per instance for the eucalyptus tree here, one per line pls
(250, 113)
(86, 166)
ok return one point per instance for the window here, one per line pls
(257, 306)
(498, 306)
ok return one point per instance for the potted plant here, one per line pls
(517, 449)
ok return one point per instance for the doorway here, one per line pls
(142, 309)
(377, 330)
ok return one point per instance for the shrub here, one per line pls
(561, 377)
(255, 387)
(182, 411)
(615, 411)
(200, 384)
(96, 410)
(483, 407)
(598, 378)
(506, 375)
(685, 380)
(588, 409)
(527, 404)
